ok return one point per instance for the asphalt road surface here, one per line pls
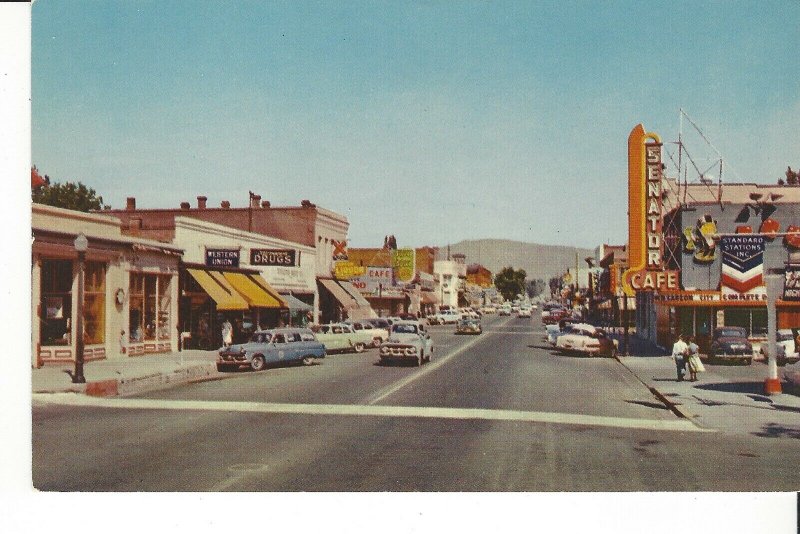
(495, 412)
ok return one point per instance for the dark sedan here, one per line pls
(730, 343)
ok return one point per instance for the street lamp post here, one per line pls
(772, 385)
(81, 245)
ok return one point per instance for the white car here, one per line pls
(787, 351)
(488, 309)
(586, 339)
(552, 331)
(378, 335)
(524, 312)
(409, 341)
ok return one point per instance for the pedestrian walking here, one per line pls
(680, 351)
(693, 362)
(227, 333)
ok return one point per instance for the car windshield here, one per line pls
(730, 332)
(404, 329)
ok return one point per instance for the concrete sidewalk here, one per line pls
(715, 401)
(129, 376)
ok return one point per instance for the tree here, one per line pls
(792, 178)
(535, 287)
(73, 196)
(510, 282)
(555, 285)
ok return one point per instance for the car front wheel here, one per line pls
(308, 360)
(358, 347)
(258, 363)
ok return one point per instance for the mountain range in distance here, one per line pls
(538, 261)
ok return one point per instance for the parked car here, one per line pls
(380, 322)
(730, 343)
(272, 346)
(555, 315)
(445, 317)
(524, 312)
(378, 335)
(408, 341)
(488, 310)
(551, 333)
(504, 310)
(469, 325)
(469, 312)
(342, 337)
(787, 349)
(586, 339)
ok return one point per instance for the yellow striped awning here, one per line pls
(255, 290)
(226, 297)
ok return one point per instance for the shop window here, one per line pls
(164, 307)
(753, 320)
(94, 303)
(136, 307)
(150, 296)
(759, 321)
(150, 307)
(56, 303)
(703, 321)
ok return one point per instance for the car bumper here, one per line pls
(230, 359)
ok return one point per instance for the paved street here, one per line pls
(496, 412)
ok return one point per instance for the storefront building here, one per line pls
(708, 297)
(697, 255)
(252, 280)
(130, 300)
(306, 225)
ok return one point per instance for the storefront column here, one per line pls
(36, 311)
(174, 308)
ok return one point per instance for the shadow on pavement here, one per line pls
(756, 388)
(648, 404)
(774, 430)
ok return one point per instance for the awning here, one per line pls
(361, 302)
(255, 290)
(218, 288)
(427, 297)
(295, 304)
(344, 298)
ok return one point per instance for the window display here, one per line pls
(94, 303)
(56, 303)
(150, 307)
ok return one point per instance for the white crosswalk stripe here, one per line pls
(433, 412)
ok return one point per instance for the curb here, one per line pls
(676, 409)
(121, 387)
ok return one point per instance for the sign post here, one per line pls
(772, 385)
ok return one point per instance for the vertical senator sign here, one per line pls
(645, 217)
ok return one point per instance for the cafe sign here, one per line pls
(222, 258)
(645, 217)
(273, 258)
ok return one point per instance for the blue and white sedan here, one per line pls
(271, 347)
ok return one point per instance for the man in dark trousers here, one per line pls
(680, 352)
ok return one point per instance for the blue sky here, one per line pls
(434, 121)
